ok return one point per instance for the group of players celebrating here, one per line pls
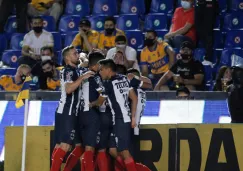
(99, 112)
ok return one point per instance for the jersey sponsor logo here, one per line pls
(120, 85)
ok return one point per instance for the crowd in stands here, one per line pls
(162, 39)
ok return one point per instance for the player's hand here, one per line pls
(168, 36)
(91, 104)
(130, 76)
(88, 74)
(82, 33)
(178, 79)
(133, 123)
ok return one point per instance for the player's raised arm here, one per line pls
(134, 103)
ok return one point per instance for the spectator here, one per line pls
(14, 83)
(127, 53)
(182, 27)
(223, 79)
(52, 75)
(185, 72)
(183, 93)
(34, 41)
(87, 38)
(159, 55)
(21, 11)
(45, 7)
(107, 37)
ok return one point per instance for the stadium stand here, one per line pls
(128, 22)
(10, 58)
(77, 7)
(16, 42)
(49, 23)
(162, 6)
(105, 7)
(97, 22)
(69, 23)
(156, 22)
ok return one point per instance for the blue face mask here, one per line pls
(186, 5)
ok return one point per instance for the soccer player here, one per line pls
(92, 90)
(118, 91)
(66, 113)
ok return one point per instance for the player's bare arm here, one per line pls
(134, 103)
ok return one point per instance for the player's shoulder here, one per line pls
(94, 32)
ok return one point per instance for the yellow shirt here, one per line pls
(7, 83)
(157, 59)
(54, 84)
(93, 38)
(107, 42)
(37, 6)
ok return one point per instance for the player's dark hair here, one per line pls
(108, 63)
(66, 50)
(183, 89)
(36, 18)
(121, 69)
(95, 57)
(133, 71)
(47, 48)
(110, 18)
(47, 62)
(152, 31)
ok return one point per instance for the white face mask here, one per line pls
(121, 46)
(186, 5)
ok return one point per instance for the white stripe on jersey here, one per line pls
(71, 106)
(121, 91)
(140, 109)
(85, 90)
(63, 93)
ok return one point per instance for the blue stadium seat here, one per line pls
(105, 7)
(155, 22)
(216, 55)
(57, 41)
(233, 21)
(128, 22)
(7, 71)
(223, 6)
(11, 24)
(77, 7)
(59, 57)
(208, 70)
(16, 42)
(219, 38)
(236, 5)
(69, 23)
(199, 54)
(49, 23)
(132, 7)
(135, 39)
(97, 22)
(10, 57)
(227, 55)
(161, 34)
(234, 39)
(162, 6)
(4, 42)
(69, 38)
(217, 24)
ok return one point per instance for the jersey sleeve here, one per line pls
(100, 42)
(144, 58)
(76, 40)
(27, 40)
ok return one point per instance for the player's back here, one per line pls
(117, 90)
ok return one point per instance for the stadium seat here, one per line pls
(11, 25)
(208, 76)
(161, 34)
(49, 23)
(132, 7)
(69, 23)
(162, 6)
(234, 39)
(217, 24)
(233, 21)
(8, 71)
(10, 57)
(59, 57)
(219, 38)
(57, 41)
(227, 55)
(199, 54)
(135, 39)
(97, 22)
(69, 38)
(16, 42)
(77, 7)
(128, 22)
(236, 5)
(216, 55)
(105, 7)
(4, 42)
(223, 6)
(155, 22)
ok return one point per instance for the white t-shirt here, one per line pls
(130, 53)
(36, 43)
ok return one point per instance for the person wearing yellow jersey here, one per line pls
(108, 36)
(45, 7)
(158, 55)
(52, 75)
(87, 38)
(14, 83)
